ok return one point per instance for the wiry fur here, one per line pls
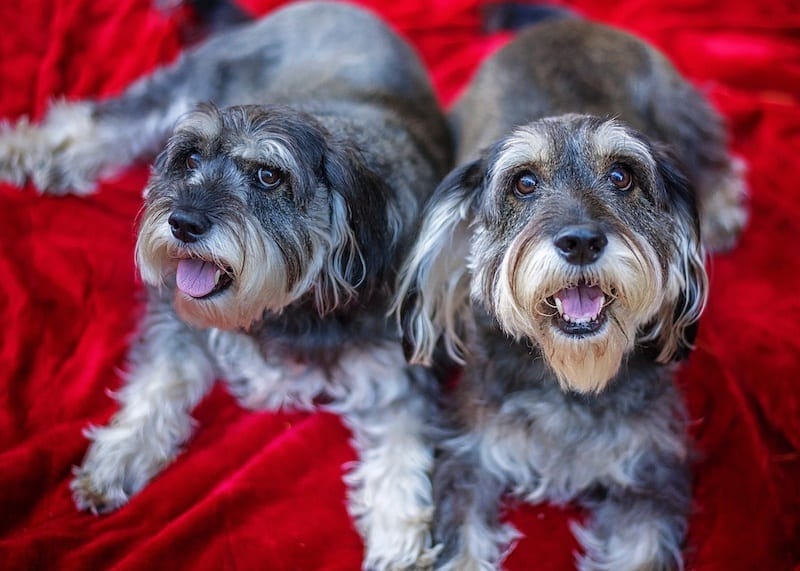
(580, 409)
(340, 108)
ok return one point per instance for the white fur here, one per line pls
(167, 380)
(259, 385)
(533, 271)
(436, 270)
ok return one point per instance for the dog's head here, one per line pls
(574, 233)
(252, 208)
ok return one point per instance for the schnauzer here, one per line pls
(273, 221)
(562, 262)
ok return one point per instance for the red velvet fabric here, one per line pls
(264, 490)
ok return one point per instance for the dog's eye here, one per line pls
(193, 161)
(620, 177)
(270, 177)
(525, 184)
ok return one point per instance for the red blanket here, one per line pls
(264, 490)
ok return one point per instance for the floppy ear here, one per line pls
(688, 280)
(432, 296)
(364, 229)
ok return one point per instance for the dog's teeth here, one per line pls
(217, 276)
(559, 306)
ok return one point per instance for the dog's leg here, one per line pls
(639, 527)
(389, 408)
(77, 143)
(390, 491)
(467, 523)
(170, 372)
(259, 385)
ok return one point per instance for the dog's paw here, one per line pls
(91, 494)
(19, 151)
(723, 210)
(62, 155)
(405, 545)
(118, 464)
(249, 393)
(271, 391)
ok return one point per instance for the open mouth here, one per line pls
(201, 279)
(581, 309)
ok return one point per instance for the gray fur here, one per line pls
(298, 181)
(552, 408)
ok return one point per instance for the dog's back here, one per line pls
(572, 66)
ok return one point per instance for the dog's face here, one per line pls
(575, 234)
(252, 208)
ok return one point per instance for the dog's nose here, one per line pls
(188, 225)
(580, 245)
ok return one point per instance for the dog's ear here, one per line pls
(364, 229)
(432, 296)
(688, 281)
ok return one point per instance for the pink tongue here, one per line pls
(196, 277)
(581, 302)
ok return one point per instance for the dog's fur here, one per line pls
(299, 186)
(538, 213)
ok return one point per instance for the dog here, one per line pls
(274, 222)
(562, 263)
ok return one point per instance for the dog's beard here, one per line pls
(250, 263)
(527, 301)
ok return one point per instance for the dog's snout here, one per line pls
(188, 225)
(580, 245)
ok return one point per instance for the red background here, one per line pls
(263, 490)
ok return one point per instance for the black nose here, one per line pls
(580, 245)
(188, 225)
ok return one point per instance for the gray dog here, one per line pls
(562, 262)
(274, 220)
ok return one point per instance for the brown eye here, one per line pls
(269, 177)
(620, 177)
(525, 184)
(193, 161)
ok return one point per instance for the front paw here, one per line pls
(402, 546)
(250, 394)
(92, 494)
(271, 391)
(61, 155)
(117, 465)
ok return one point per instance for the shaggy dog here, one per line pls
(562, 262)
(273, 221)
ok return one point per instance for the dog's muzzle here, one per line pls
(581, 306)
(196, 277)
